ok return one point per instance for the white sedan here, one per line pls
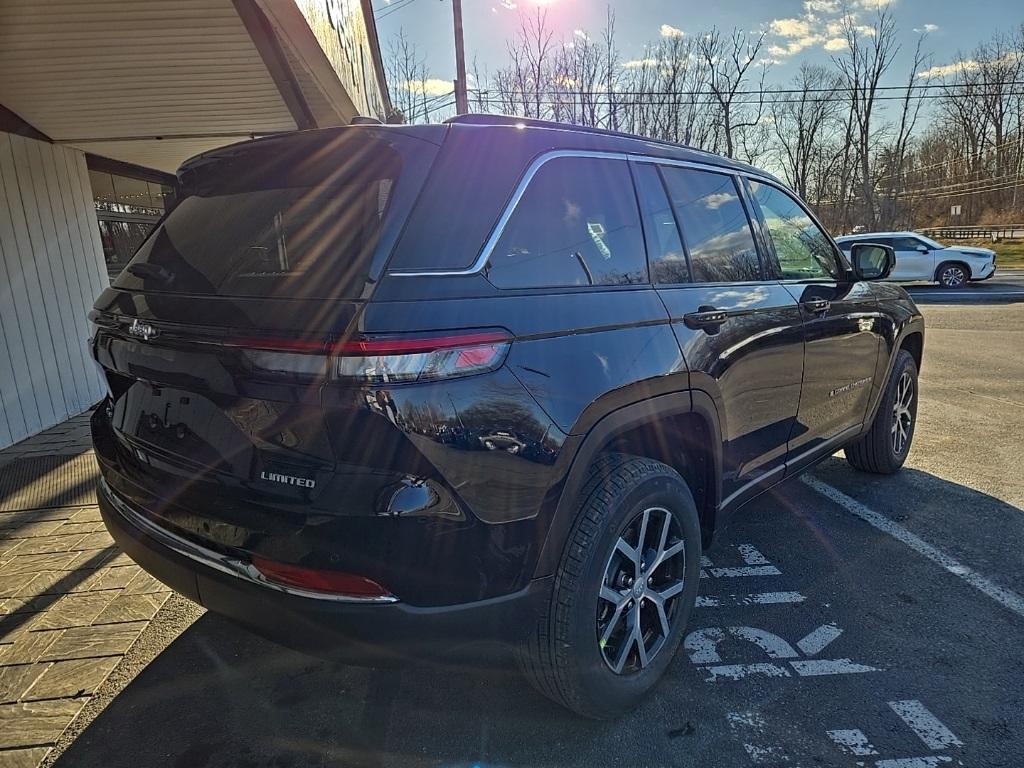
(921, 258)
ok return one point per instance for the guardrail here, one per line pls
(977, 232)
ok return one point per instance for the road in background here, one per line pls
(1007, 285)
(819, 638)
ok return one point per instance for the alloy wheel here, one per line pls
(952, 276)
(642, 582)
(902, 415)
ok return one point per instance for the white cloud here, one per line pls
(432, 86)
(581, 34)
(637, 63)
(790, 27)
(822, 6)
(928, 28)
(714, 202)
(945, 70)
(667, 30)
(967, 65)
(824, 23)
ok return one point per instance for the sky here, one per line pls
(798, 30)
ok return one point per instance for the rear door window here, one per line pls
(715, 227)
(577, 224)
(664, 248)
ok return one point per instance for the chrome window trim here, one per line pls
(220, 562)
(499, 228)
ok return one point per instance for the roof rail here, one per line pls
(489, 119)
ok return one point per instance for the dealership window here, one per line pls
(126, 208)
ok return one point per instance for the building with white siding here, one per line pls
(100, 101)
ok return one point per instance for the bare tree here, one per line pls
(728, 62)
(805, 123)
(523, 87)
(407, 78)
(869, 54)
(896, 154)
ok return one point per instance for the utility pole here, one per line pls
(461, 97)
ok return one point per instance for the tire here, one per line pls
(885, 446)
(953, 274)
(564, 658)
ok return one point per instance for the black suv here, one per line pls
(390, 391)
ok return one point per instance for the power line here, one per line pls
(980, 190)
(385, 12)
(607, 99)
(987, 90)
(993, 148)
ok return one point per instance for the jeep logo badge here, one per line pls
(143, 331)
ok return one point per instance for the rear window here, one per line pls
(293, 218)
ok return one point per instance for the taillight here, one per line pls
(396, 360)
(317, 580)
(378, 360)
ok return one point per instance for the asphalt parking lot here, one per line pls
(844, 620)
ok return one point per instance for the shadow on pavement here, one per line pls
(219, 696)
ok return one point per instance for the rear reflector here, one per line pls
(316, 580)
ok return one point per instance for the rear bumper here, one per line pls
(355, 632)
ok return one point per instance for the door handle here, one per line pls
(708, 318)
(816, 305)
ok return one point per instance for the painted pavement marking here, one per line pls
(756, 598)
(1005, 597)
(702, 647)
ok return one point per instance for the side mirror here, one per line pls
(872, 262)
(922, 249)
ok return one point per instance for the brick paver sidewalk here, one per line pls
(71, 604)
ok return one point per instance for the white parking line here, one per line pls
(815, 642)
(927, 726)
(914, 762)
(757, 598)
(1003, 596)
(744, 571)
(852, 741)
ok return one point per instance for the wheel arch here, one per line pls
(680, 429)
(913, 342)
(959, 262)
(909, 335)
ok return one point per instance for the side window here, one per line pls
(576, 224)
(714, 225)
(664, 248)
(803, 250)
(906, 243)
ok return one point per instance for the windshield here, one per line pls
(931, 243)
